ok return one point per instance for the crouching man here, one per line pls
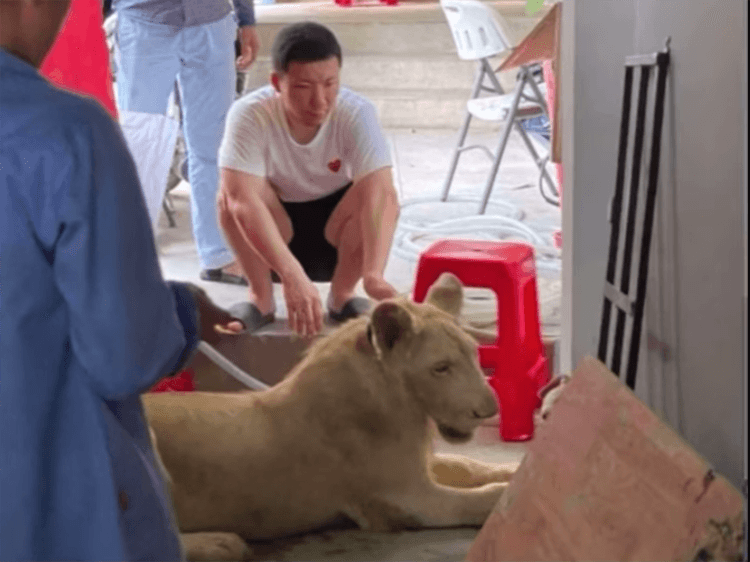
(306, 189)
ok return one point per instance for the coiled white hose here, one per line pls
(414, 234)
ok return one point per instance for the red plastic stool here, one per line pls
(518, 359)
(346, 3)
(181, 382)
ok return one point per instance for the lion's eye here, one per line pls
(441, 368)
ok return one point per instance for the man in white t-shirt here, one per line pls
(306, 187)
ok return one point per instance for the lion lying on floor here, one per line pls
(346, 433)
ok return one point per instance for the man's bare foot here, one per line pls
(378, 288)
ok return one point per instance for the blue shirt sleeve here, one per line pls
(245, 11)
(128, 328)
(189, 317)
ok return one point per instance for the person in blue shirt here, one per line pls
(193, 41)
(86, 321)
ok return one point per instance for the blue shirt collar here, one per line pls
(9, 61)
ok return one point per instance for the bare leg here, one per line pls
(462, 472)
(366, 219)
(428, 505)
(348, 270)
(253, 266)
(379, 215)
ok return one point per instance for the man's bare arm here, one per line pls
(249, 203)
(245, 197)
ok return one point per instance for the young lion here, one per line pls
(346, 433)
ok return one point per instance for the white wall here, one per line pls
(697, 278)
(602, 32)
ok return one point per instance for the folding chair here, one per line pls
(620, 296)
(478, 36)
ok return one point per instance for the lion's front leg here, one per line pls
(201, 547)
(462, 472)
(428, 504)
(441, 506)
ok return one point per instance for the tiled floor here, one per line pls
(420, 163)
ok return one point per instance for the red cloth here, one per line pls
(79, 59)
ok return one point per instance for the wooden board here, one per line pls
(542, 43)
(605, 479)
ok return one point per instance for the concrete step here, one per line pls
(430, 73)
(410, 28)
(403, 58)
(408, 91)
(413, 109)
(377, 37)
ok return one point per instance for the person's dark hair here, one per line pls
(303, 42)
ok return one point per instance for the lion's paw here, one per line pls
(200, 547)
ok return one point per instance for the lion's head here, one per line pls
(435, 357)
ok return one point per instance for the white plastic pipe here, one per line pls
(231, 368)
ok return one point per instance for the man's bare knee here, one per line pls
(346, 234)
(227, 220)
(379, 196)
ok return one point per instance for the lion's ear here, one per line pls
(447, 293)
(390, 323)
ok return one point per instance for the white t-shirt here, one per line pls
(349, 145)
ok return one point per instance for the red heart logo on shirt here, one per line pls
(334, 165)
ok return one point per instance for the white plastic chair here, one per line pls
(478, 36)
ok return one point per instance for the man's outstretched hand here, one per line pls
(303, 305)
(214, 321)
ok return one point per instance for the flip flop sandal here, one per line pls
(251, 316)
(353, 308)
(220, 276)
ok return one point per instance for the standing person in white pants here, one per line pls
(193, 41)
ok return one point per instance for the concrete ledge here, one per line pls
(384, 72)
(269, 355)
(403, 58)
(372, 27)
(406, 12)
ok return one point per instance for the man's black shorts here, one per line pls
(308, 243)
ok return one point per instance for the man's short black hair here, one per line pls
(303, 42)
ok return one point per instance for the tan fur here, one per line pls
(346, 433)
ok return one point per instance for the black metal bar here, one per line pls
(616, 211)
(632, 213)
(653, 179)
